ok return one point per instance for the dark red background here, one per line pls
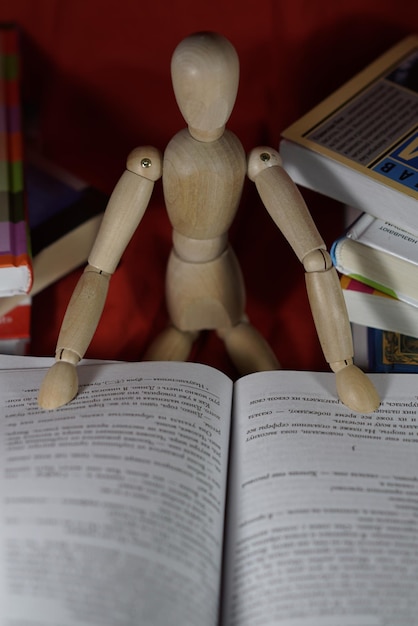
(96, 74)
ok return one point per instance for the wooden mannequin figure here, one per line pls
(203, 171)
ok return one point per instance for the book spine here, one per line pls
(14, 227)
(360, 226)
(334, 253)
(384, 236)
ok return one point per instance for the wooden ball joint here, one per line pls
(203, 171)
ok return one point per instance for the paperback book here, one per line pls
(360, 145)
(167, 494)
(368, 306)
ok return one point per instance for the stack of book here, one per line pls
(48, 218)
(360, 147)
(64, 216)
(15, 257)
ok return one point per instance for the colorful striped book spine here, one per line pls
(15, 254)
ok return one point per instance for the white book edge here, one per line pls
(331, 178)
(380, 312)
(386, 237)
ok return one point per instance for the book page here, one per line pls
(112, 507)
(324, 505)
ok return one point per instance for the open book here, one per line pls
(113, 507)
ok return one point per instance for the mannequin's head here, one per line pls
(205, 75)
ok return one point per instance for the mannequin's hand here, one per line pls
(59, 386)
(355, 390)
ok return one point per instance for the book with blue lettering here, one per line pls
(360, 145)
(15, 253)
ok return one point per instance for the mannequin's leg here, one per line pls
(249, 351)
(171, 345)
